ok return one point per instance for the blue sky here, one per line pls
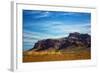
(38, 25)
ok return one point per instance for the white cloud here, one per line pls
(43, 14)
(63, 29)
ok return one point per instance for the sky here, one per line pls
(38, 25)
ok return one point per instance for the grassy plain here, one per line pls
(69, 54)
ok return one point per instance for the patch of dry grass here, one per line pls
(32, 56)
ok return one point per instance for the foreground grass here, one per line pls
(79, 54)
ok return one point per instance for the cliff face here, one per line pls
(73, 40)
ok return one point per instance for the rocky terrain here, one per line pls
(73, 40)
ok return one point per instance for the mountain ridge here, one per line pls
(73, 40)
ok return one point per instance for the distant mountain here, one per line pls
(73, 40)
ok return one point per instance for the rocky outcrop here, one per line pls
(74, 39)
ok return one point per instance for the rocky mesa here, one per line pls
(73, 40)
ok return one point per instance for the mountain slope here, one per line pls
(73, 40)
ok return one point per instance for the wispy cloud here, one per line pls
(59, 28)
(43, 14)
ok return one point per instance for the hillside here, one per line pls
(75, 46)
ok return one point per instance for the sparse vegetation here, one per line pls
(56, 55)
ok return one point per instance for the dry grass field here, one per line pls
(77, 54)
